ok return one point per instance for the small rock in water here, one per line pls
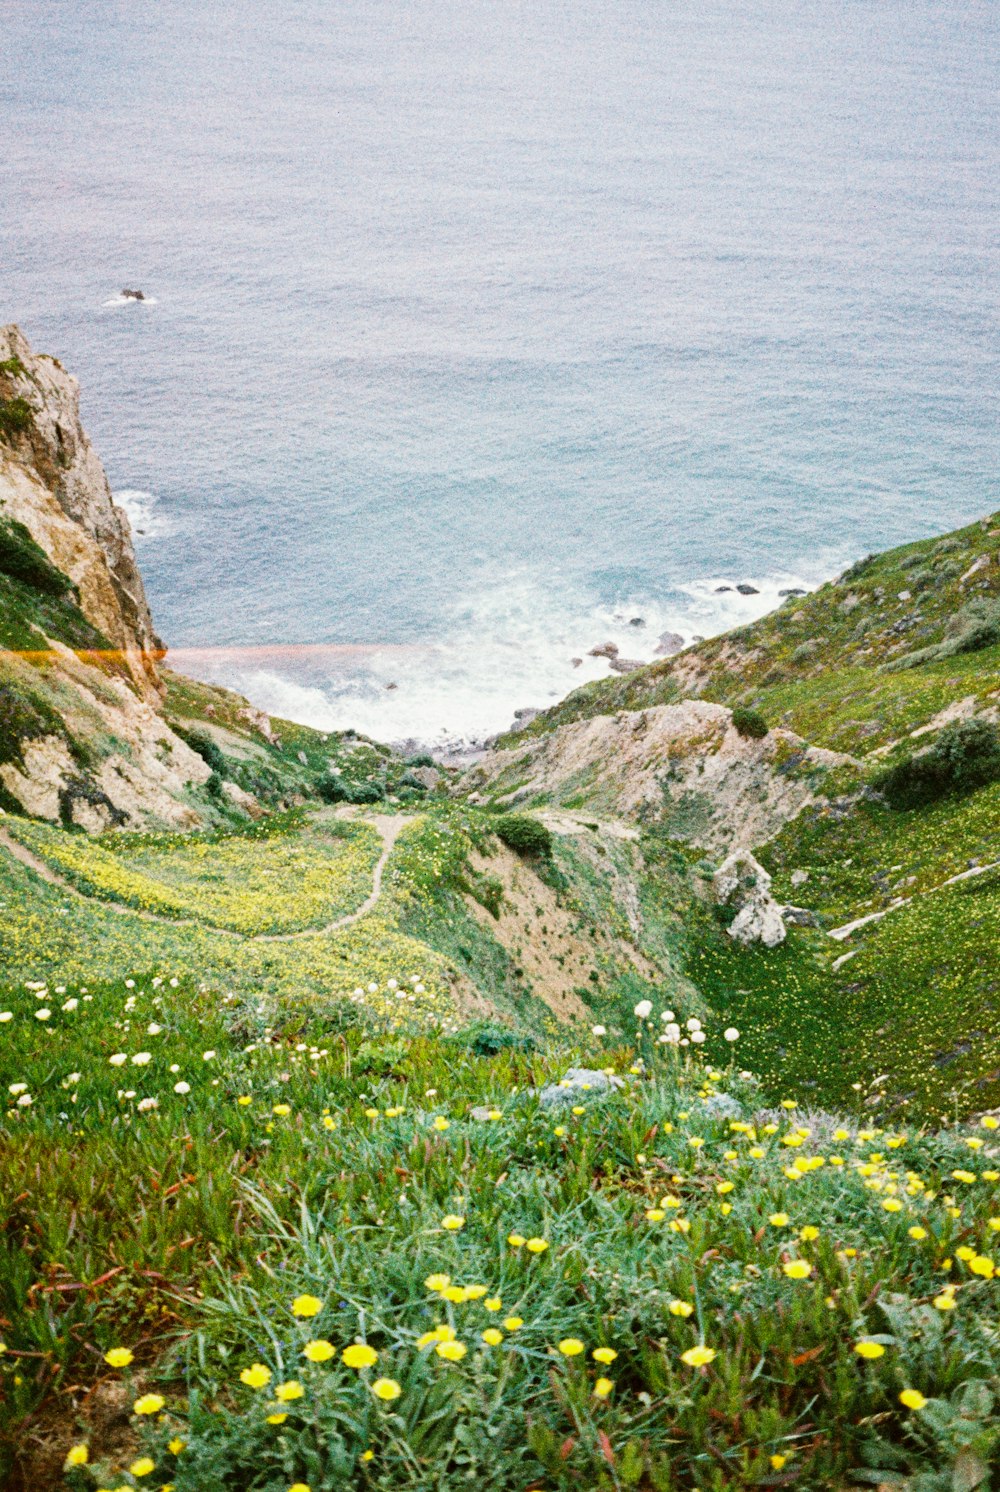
(637, 621)
(747, 590)
(720, 588)
(604, 650)
(392, 686)
(575, 662)
(795, 591)
(133, 295)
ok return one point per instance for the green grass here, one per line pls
(817, 664)
(50, 933)
(246, 882)
(917, 1005)
(319, 1160)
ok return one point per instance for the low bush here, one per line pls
(974, 627)
(337, 790)
(202, 743)
(750, 723)
(524, 835)
(15, 417)
(22, 559)
(965, 756)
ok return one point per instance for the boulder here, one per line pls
(626, 665)
(576, 1081)
(523, 718)
(670, 642)
(720, 1106)
(799, 916)
(604, 650)
(799, 877)
(977, 566)
(747, 590)
(428, 777)
(741, 881)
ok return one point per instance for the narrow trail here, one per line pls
(389, 827)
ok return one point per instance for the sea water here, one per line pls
(480, 334)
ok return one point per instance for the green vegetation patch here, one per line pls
(247, 882)
(629, 1290)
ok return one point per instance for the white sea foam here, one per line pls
(142, 510)
(509, 643)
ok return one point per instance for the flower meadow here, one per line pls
(292, 1255)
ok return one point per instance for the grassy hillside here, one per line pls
(853, 666)
(659, 1288)
(272, 1095)
(899, 645)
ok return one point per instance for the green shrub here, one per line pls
(366, 792)
(855, 571)
(15, 417)
(488, 1039)
(750, 723)
(206, 748)
(24, 717)
(24, 560)
(409, 779)
(965, 756)
(975, 627)
(422, 760)
(524, 835)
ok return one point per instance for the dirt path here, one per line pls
(389, 827)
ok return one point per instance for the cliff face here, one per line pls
(52, 481)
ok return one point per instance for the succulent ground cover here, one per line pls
(278, 876)
(319, 1254)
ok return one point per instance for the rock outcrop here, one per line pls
(52, 481)
(82, 734)
(683, 763)
(742, 882)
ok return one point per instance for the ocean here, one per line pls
(478, 335)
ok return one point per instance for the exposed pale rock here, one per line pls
(81, 528)
(976, 568)
(577, 1082)
(670, 642)
(684, 761)
(741, 881)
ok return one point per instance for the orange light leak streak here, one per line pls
(258, 653)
